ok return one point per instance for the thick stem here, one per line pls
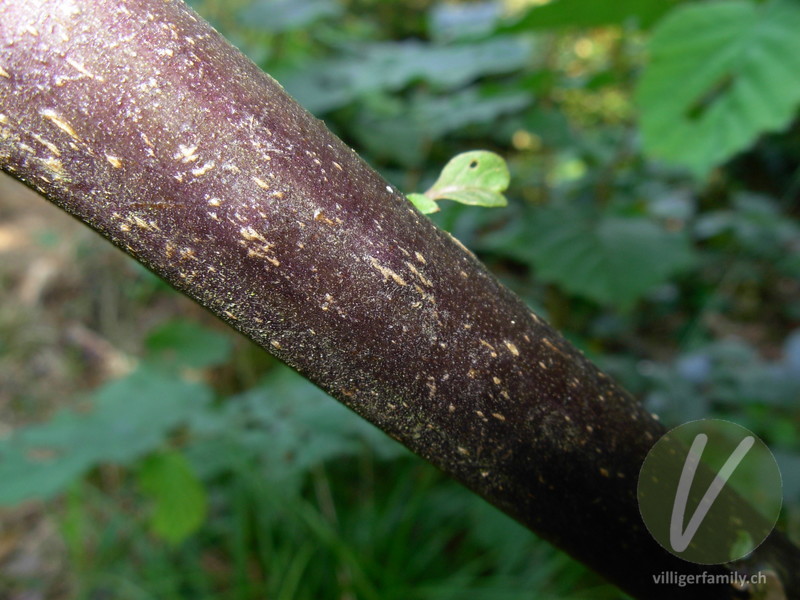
(140, 120)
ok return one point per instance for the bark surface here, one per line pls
(139, 119)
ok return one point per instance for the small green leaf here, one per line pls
(476, 178)
(423, 204)
(180, 500)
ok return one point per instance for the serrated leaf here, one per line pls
(476, 178)
(179, 498)
(721, 73)
(327, 84)
(611, 260)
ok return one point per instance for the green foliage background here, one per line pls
(653, 217)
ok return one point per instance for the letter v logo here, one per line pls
(681, 540)
(709, 491)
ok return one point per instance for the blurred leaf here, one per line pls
(729, 376)
(426, 118)
(791, 354)
(179, 497)
(391, 139)
(499, 533)
(289, 425)
(476, 178)
(442, 114)
(187, 344)
(789, 464)
(328, 84)
(610, 259)
(721, 73)
(285, 15)
(591, 13)
(458, 21)
(613, 261)
(129, 418)
(742, 377)
(755, 222)
(550, 126)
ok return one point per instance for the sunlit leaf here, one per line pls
(476, 178)
(423, 204)
(721, 73)
(179, 498)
